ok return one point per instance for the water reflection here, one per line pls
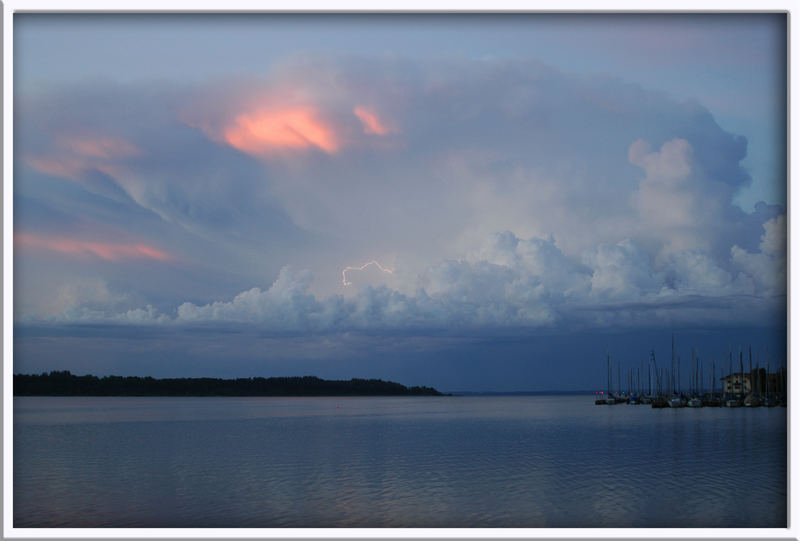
(399, 462)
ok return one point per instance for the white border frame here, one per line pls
(155, 6)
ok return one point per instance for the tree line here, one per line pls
(63, 383)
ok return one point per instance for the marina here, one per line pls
(750, 387)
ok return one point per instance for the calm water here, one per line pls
(529, 461)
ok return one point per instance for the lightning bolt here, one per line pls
(362, 267)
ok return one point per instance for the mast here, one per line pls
(655, 369)
(741, 370)
(672, 367)
(730, 372)
(639, 379)
(767, 382)
(713, 378)
(698, 376)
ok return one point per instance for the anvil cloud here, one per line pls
(507, 195)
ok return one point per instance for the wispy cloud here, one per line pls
(80, 248)
(74, 155)
(371, 122)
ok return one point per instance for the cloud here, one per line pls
(604, 194)
(103, 250)
(512, 284)
(106, 147)
(289, 113)
(265, 132)
(371, 122)
(622, 271)
(677, 205)
(764, 272)
(74, 155)
(137, 316)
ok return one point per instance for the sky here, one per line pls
(474, 202)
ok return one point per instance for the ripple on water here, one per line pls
(474, 461)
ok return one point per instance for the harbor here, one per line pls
(703, 384)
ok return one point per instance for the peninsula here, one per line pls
(63, 383)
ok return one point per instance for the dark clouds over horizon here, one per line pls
(501, 197)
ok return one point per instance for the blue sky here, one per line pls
(473, 202)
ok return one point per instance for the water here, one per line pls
(507, 461)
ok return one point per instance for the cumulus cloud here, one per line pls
(764, 272)
(513, 284)
(622, 271)
(678, 207)
(136, 316)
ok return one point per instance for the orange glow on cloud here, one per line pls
(370, 122)
(73, 156)
(58, 167)
(266, 131)
(99, 147)
(103, 250)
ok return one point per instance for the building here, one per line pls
(736, 383)
(759, 380)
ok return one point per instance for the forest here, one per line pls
(64, 383)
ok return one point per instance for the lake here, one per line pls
(470, 461)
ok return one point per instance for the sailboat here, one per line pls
(648, 398)
(694, 401)
(675, 400)
(736, 401)
(712, 400)
(606, 398)
(752, 400)
(769, 400)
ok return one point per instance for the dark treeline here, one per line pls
(64, 383)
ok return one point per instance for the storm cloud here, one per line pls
(503, 193)
(301, 197)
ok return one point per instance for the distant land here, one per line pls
(520, 393)
(63, 383)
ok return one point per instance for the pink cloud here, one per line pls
(266, 131)
(104, 147)
(57, 166)
(71, 156)
(370, 122)
(103, 250)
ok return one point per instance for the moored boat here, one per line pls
(752, 401)
(733, 402)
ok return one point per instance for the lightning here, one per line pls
(362, 267)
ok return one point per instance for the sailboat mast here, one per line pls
(767, 382)
(672, 367)
(699, 376)
(741, 370)
(730, 371)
